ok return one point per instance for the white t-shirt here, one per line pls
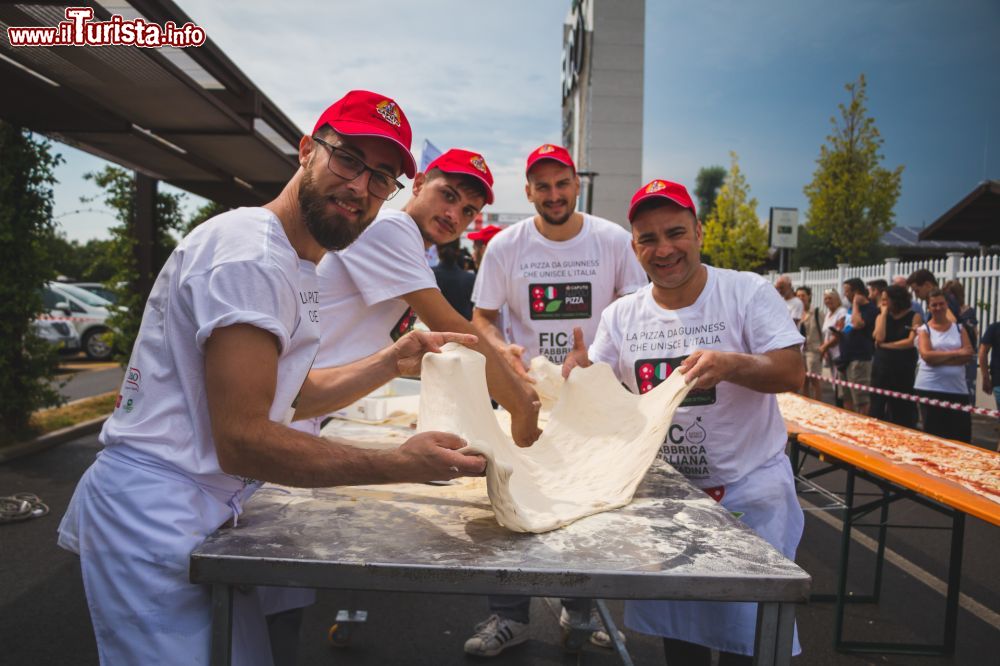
(721, 434)
(942, 378)
(830, 325)
(361, 288)
(237, 268)
(795, 307)
(550, 287)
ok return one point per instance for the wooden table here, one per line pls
(896, 481)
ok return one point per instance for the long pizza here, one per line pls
(971, 467)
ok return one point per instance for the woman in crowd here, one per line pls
(895, 361)
(967, 318)
(944, 349)
(833, 325)
(811, 328)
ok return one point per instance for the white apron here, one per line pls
(766, 496)
(134, 525)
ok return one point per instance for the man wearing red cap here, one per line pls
(373, 291)
(480, 239)
(730, 334)
(555, 270)
(221, 363)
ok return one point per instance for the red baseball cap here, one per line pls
(665, 189)
(472, 164)
(485, 234)
(549, 151)
(363, 113)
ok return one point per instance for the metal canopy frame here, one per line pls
(188, 117)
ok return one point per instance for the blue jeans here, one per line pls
(996, 395)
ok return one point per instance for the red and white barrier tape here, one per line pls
(906, 396)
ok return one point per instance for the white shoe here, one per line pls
(600, 636)
(496, 634)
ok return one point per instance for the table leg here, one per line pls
(222, 625)
(609, 626)
(845, 550)
(954, 581)
(775, 629)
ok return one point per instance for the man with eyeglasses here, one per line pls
(221, 365)
(373, 291)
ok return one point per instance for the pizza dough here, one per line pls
(598, 444)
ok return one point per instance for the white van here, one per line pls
(85, 311)
(59, 334)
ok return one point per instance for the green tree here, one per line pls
(851, 196)
(120, 196)
(82, 262)
(812, 252)
(734, 237)
(706, 188)
(27, 363)
(205, 212)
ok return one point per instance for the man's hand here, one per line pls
(524, 427)
(705, 368)
(409, 350)
(987, 382)
(577, 357)
(514, 355)
(434, 456)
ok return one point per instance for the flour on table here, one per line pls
(598, 444)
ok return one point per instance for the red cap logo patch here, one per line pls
(547, 148)
(389, 112)
(478, 162)
(655, 186)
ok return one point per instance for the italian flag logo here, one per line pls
(662, 371)
(550, 293)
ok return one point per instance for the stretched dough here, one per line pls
(597, 446)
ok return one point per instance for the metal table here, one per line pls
(672, 542)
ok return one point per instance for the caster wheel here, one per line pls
(339, 635)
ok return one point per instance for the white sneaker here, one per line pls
(600, 636)
(496, 634)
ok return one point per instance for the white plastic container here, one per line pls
(398, 397)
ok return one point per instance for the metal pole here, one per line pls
(222, 624)
(144, 223)
(954, 581)
(588, 190)
(845, 549)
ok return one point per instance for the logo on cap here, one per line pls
(477, 161)
(655, 186)
(389, 112)
(547, 148)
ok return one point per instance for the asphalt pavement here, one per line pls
(82, 378)
(45, 618)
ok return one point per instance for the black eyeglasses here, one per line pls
(345, 165)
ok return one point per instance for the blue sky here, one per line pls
(761, 78)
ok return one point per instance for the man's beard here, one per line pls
(555, 221)
(332, 232)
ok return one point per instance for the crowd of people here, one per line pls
(878, 335)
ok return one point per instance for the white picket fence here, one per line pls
(979, 275)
